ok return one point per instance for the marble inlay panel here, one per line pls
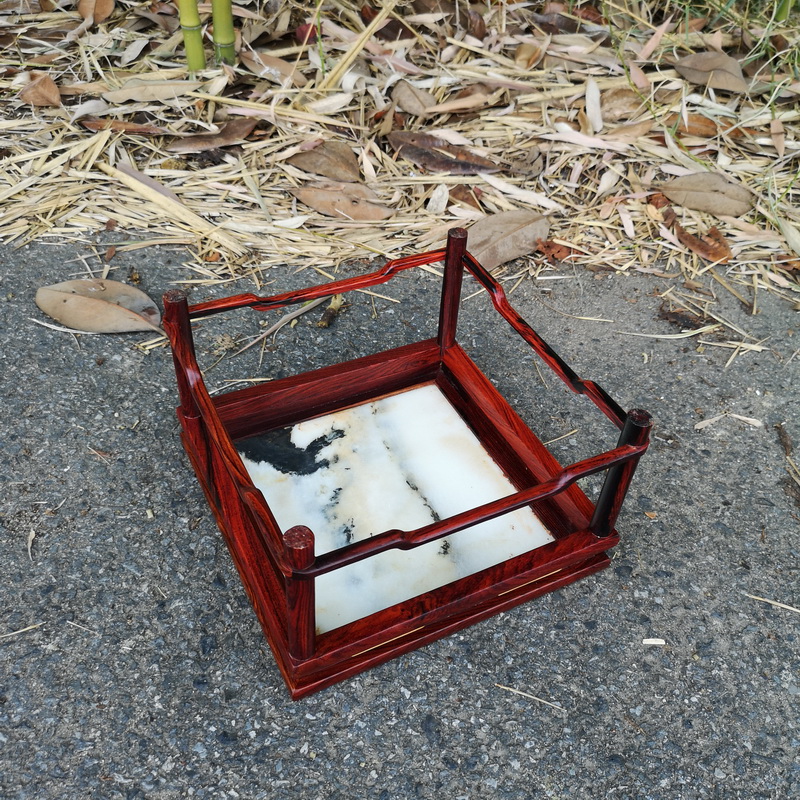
(400, 462)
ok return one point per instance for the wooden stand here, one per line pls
(278, 568)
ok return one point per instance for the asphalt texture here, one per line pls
(131, 665)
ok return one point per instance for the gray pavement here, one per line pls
(146, 674)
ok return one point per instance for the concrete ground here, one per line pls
(131, 665)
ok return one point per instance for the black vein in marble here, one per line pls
(277, 449)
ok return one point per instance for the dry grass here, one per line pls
(602, 107)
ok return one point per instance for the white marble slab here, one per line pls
(400, 462)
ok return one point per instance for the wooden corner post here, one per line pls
(179, 328)
(636, 432)
(451, 287)
(299, 547)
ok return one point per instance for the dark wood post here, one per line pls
(451, 287)
(177, 324)
(299, 546)
(635, 431)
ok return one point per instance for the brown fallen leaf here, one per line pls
(530, 162)
(711, 192)
(468, 195)
(41, 91)
(140, 129)
(681, 318)
(98, 10)
(391, 30)
(590, 14)
(658, 200)
(713, 69)
(141, 90)
(502, 237)
(786, 262)
(711, 246)
(553, 251)
(629, 133)
(554, 22)
(704, 127)
(433, 6)
(620, 103)
(306, 33)
(412, 100)
(166, 21)
(234, 132)
(343, 200)
(334, 160)
(437, 155)
(45, 59)
(476, 25)
(99, 306)
(273, 68)
(528, 54)
(693, 25)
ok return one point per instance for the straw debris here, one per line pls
(420, 117)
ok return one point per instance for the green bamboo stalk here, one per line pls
(192, 35)
(784, 9)
(222, 14)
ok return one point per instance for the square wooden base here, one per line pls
(279, 567)
(350, 649)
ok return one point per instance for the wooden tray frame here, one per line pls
(278, 567)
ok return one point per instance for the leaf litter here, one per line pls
(99, 306)
(418, 117)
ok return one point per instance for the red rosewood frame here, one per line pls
(278, 567)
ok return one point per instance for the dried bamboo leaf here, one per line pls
(412, 100)
(331, 104)
(435, 154)
(141, 90)
(334, 160)
(21, 7)
(711, 192)
(594, 111)
(41, 91)
(499, 238)
(272, 67)
(790, 233)
(343, 200)
(154, 192)
(652, 44)
(713, 69)
(99, 306)
(132, 51)
(778, 134)
(234, 132)
(470, 98)
(138, 128)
